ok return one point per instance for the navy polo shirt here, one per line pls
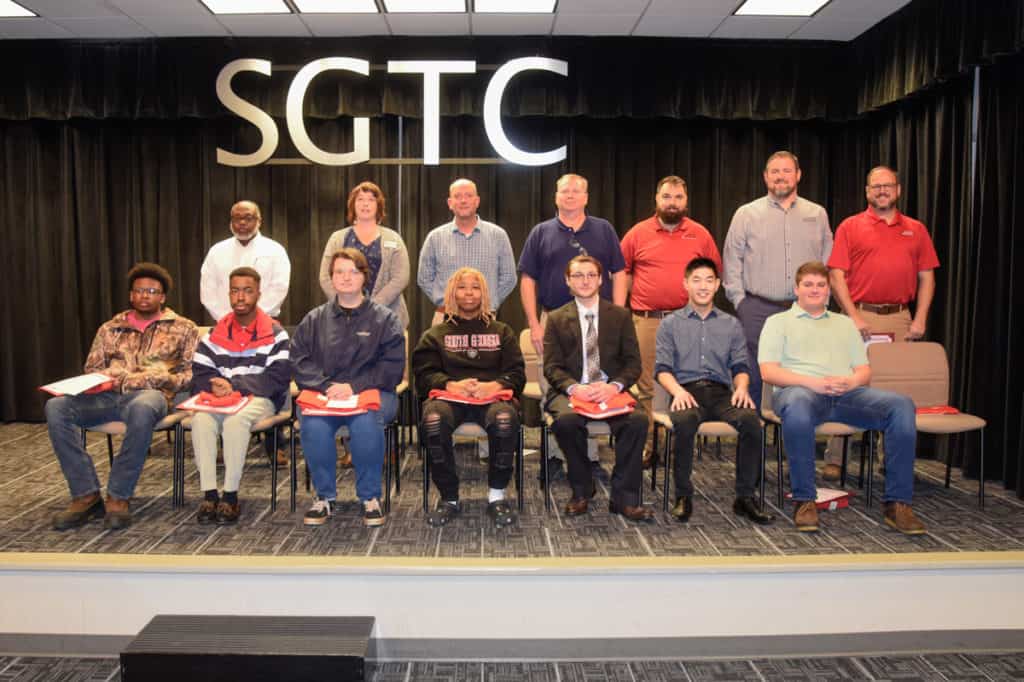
(548, 250)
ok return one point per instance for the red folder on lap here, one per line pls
(505, 394)
(317, 404)
(938, 409)
(623, 403)
(208, 402)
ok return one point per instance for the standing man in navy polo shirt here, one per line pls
(552, 244)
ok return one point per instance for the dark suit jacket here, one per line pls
(563, 347)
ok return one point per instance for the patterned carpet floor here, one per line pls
(32, 489)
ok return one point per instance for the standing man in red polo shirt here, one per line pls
(881, 261)
(657, 251)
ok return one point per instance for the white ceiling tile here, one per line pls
(105, 27)
(766, 28)
(512, 24)
(699, 26)
(594, 25)
(429, 24)
(875, 10)
(673, 7)
(602, 7)
(161, 8)
(832, 29)
(53, 9)
(183, 26)
(346, 24)
(264, 25)
(31, 28)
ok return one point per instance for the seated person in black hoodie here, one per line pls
(472, 355)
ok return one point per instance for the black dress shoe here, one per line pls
(631, 513)
(745, 506)
(577, 506)
(683, 509)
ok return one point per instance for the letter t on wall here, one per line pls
(431, 71)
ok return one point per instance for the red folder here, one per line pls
(938, 409)
(505, 394)
(317, 404)
(829, 499)
(623, 403)
(210, 400)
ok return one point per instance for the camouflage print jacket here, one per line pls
(159, 358)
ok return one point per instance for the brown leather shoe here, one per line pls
(282, 458)
(805, 518)
(900, 516)
(79, 512)
(632, 513)
(207, 512)
(831, 472)
(577, 506)
(118, 515)
(227, 513)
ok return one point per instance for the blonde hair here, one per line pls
(451, 309)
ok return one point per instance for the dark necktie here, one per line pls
(593, 354)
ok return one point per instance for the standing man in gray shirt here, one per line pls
(465, 242)
(768, 239)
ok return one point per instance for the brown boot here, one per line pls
(79, 512)
(345, 461)
(900, 516)
(805, 518)
(118, 515)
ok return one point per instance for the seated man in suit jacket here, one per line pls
(590, 351)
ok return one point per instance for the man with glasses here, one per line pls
(881, 262)
(147, 352)
(247, 247)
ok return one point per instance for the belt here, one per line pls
(701, 383)
(781, 304)
(883, 308)
(653, 313)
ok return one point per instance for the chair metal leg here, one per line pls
(294, 485)
(846, 456)
(949, 456)
(863, 455)
(778, 454)
(654, 458)
(83, 438)
(519, 470)
(545, 485)
(763, 482)
(110, 449)
(390, 437)
(273, 472)
(668, 459)
(426, 479)
(981, 471)
(870, 473)
(718, 446)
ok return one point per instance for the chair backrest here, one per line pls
(918, 370)
(529, 356)
(203, 331)
(405, 371)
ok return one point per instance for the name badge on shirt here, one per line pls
(362, 333)
(907, 233)
(390, 244)
(689, 236)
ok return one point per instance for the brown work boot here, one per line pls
(805, 518)
(900, 516)
(118, 515)
(79, 512)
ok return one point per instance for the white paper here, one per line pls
(76, 385)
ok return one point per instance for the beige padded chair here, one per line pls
(921, 372)
(713, 429)
(533, 368)
(831, 429)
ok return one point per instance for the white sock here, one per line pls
(495, 494)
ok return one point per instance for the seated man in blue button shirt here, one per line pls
(701, 360)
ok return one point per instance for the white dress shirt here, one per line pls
(262, 254)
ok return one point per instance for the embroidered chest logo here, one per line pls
(472, 344)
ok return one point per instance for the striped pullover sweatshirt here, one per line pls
(255, 363)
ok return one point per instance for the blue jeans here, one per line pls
(366, 441)
(802, 409)
(65, 417)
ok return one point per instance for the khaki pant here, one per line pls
(646, 337)
(897, 324)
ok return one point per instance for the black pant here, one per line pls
(441, 418)
(630, 431)
(713, 404)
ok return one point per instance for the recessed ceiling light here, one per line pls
(780, 8)
(337, 6)
(518, 7)
(13, 9)
(247, 6)
(425, 6)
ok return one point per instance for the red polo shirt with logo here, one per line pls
(882, 261)
(657, 260)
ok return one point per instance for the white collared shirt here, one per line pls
(262, 254)
(584, 323)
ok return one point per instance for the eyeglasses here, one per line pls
(244, 218)
(580, 276)
(575, 243)
(152, 291)
(887, 186)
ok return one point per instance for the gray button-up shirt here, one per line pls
(487, 248)
(690, 348)
(766, 244)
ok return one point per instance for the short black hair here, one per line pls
(701, 262)
(245, 271)
(150, 271)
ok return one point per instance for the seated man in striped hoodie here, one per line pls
(246, 352)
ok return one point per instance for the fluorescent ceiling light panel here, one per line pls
(425, 6)
(337, 6)
(247, 6)
(514, 7)
(13, 9)
(780, 8)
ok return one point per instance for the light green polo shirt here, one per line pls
(827, 345)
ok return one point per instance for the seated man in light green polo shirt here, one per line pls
(818, 363)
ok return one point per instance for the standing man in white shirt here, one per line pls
(246, 247)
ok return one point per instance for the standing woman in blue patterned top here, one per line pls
(382, 247)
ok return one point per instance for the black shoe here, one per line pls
(207, 512)
(683, 509)
(501, 513)
(443, 513)
(746, 506)
(319, 512)
(373, 513)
